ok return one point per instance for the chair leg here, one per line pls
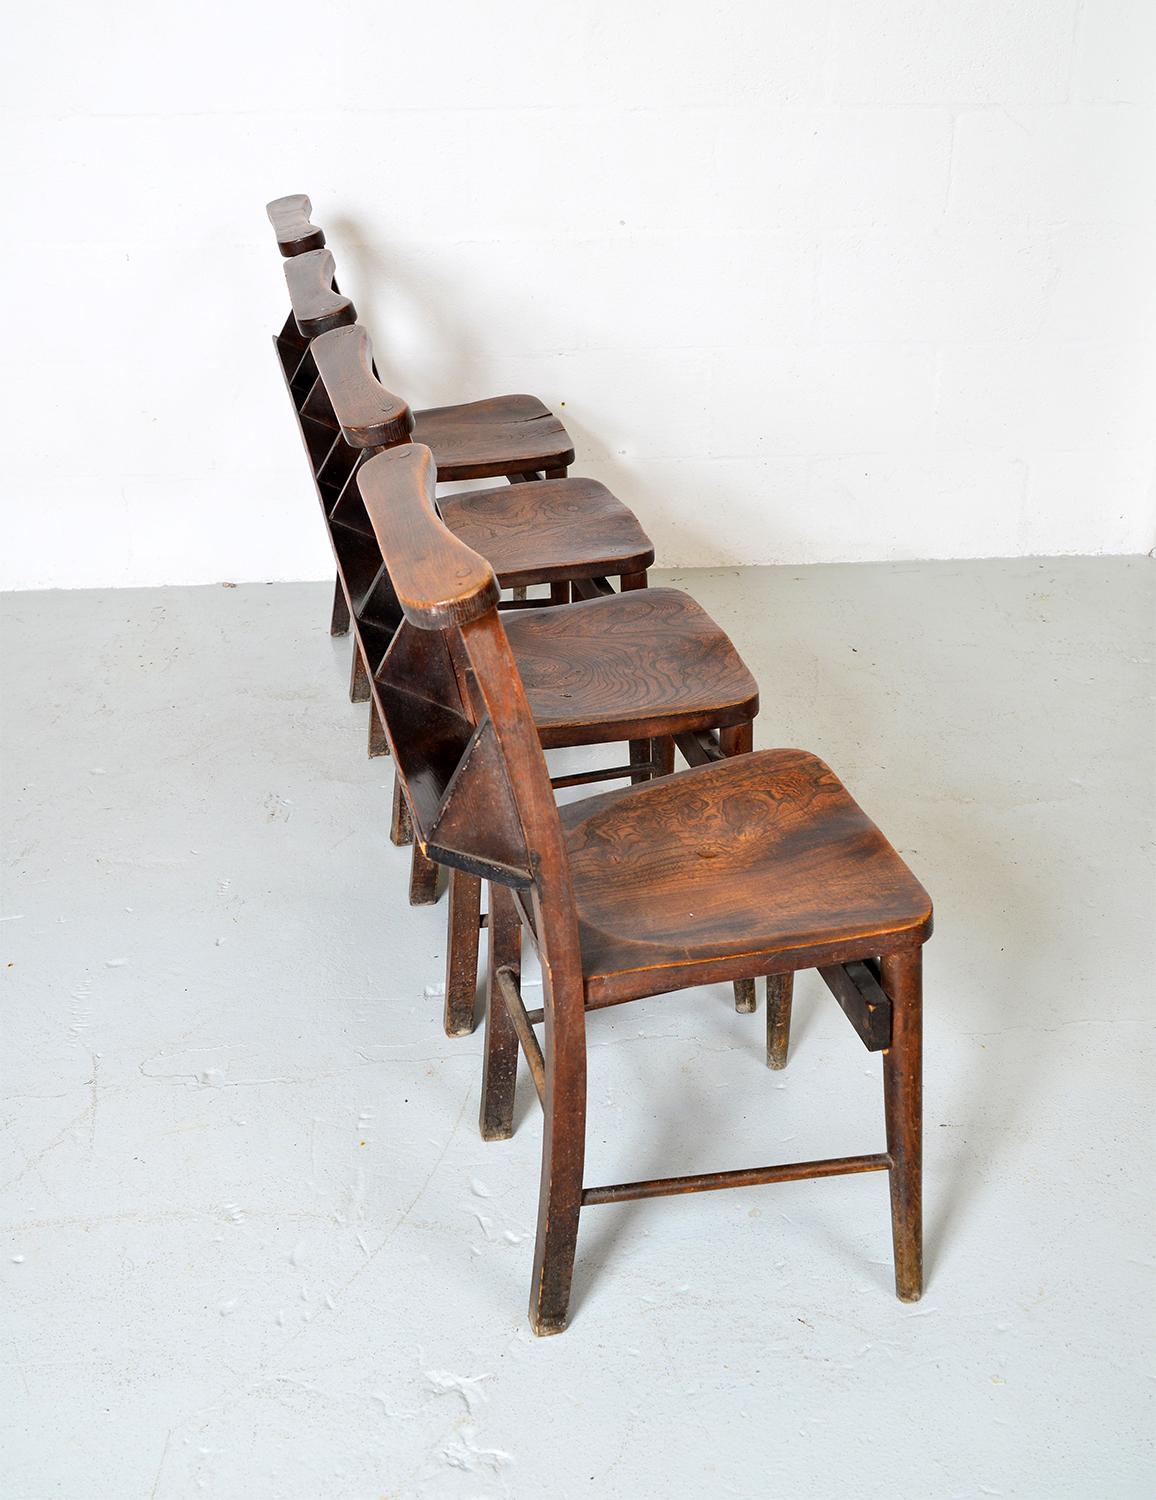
(500, 1068)
(339, 619)
(662, 753)
(378, 744)
(558, 473)
(640, 750)
(423, 878)
(560, 593)
(560, 1194)
(746, 1000)
(737, 740)
(902, 979)
(358, 677)
(780, 988)
(400, 826)
(640, 754)
(462, 952)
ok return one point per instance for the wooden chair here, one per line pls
(647, 666)
(758, 865)
(512, 437)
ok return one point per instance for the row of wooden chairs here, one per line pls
(744, 864)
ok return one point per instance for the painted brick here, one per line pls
(953, 51)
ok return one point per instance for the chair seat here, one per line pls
(758, 864)
(638, 665)
(486, 439)
(554, 530)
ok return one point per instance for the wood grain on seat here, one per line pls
(553, 530)
(765, 856)
(317, 307)
(501, 435)
(645, 663)
(289, 217)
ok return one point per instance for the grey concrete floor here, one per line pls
(252, 1242)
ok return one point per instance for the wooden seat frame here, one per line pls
(465, 741)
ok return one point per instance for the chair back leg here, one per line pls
(500, 1069)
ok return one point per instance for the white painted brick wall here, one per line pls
(817, 281)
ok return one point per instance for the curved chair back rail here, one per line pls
(369, 416)
(317, 305)
(290, 220)
(440, 582)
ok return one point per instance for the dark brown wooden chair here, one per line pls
(512, 437)
(647, 667)
(758, 865)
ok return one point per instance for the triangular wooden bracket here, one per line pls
(349, 508)
(478, 827)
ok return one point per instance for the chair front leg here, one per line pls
(738, 739)
(563, 1157)
(500, 1069)
(662, 754)
(640, 750)
(902, 980)
(462, 952)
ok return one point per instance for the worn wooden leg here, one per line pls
(500, 1069)
(640, 756)
(662, 753)
(559, 593)
(780, 988)
(563, 1153)
(423, 878)
(746, 1000)
(737, 740)
(400, 827)
(378, 744)
(462, 952)
(640, 750)
(339, 619)
(358, 678)
(902, 979)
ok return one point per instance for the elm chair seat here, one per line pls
(763, 857)
(629, 666)
(488, 439)
(551, 532)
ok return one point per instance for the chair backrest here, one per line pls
(317, 304)
(290, 220)
(461, 730)
(342, 412)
